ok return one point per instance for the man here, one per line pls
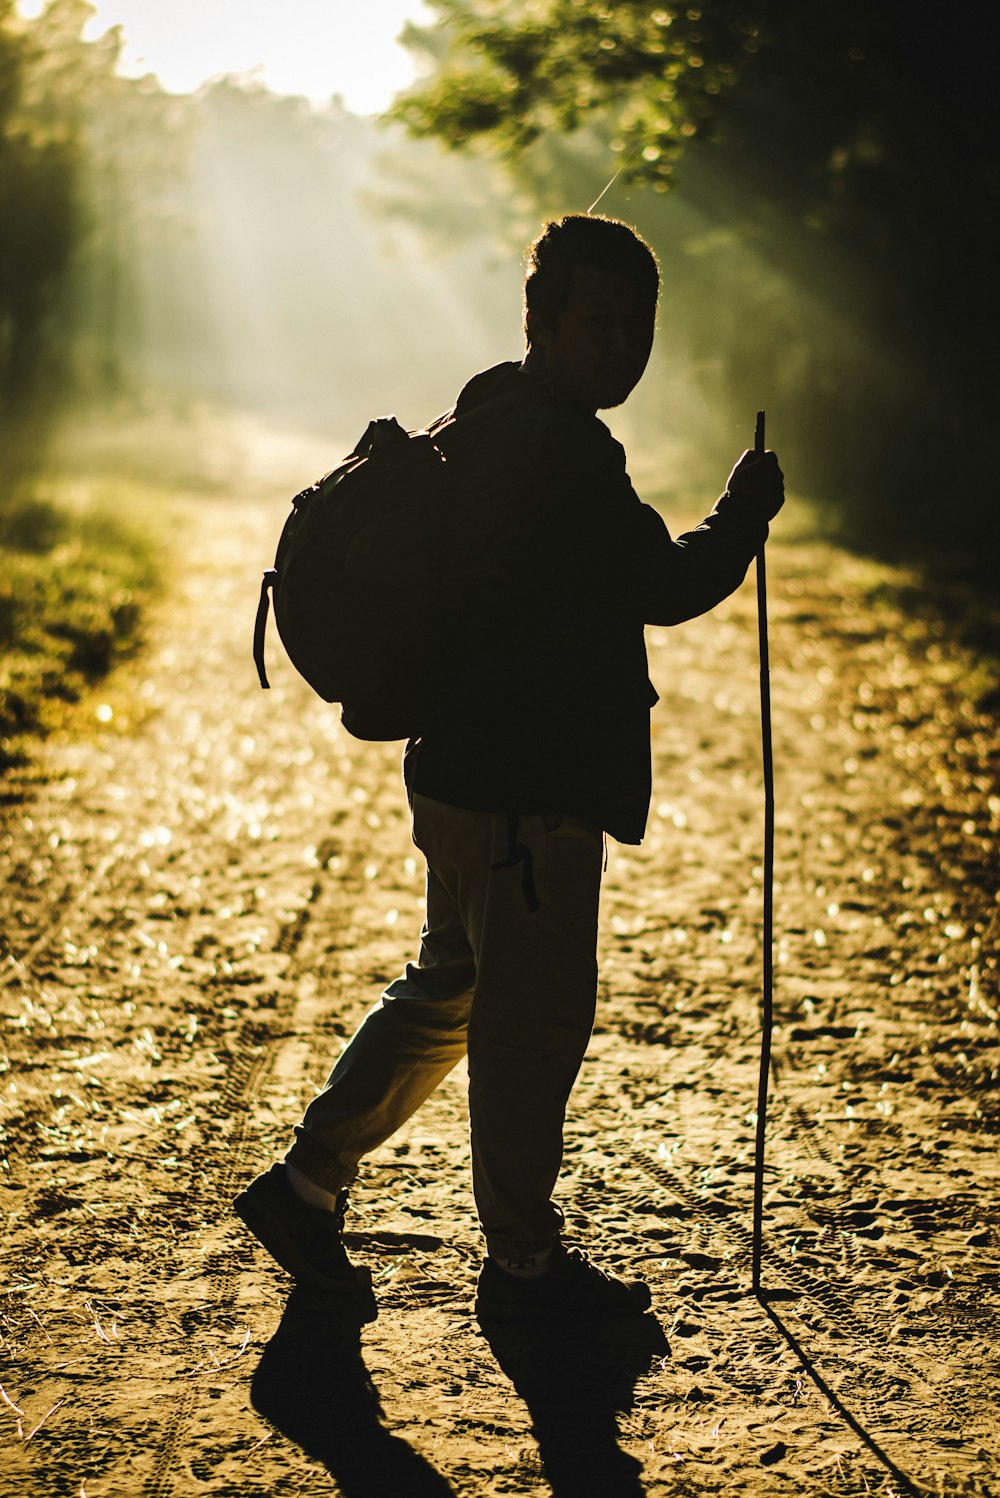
(535, 744)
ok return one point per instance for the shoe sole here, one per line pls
(270, 1234)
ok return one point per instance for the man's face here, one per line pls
(600, 344)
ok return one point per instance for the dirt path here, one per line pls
(211, 889)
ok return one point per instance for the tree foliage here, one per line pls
(82, 154)
(845, 154)
(515, 71)
(39, 161)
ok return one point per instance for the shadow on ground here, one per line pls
(902, 1482)
(575, 1384)
(313, 1386)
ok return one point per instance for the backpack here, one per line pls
(352, 581)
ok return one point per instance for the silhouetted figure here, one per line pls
(535, 744)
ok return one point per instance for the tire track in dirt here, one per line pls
(930, 1016)
(248, 1060)
(255, 1053)
(869, 1377)
(174, 1016)
(714, 1243)
(872, 1372)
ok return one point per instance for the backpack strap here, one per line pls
(267, 584)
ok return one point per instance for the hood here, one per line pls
(503, 379)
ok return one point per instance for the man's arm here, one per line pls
(582, 533)
(679, 579)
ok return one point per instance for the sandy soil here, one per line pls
(211, 887)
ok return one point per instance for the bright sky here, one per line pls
(311, 47)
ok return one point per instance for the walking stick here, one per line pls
(768, 919)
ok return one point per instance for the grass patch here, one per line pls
(79, 564)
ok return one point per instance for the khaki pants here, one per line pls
(515, 986)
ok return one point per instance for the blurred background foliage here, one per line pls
(828, 237)
(84, 159)
(820, 181)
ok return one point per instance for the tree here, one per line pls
(512, 72)
(853, 145)
(84, 155)
(39, 161)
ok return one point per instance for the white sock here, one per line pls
(527, 1268)
(309, 1192)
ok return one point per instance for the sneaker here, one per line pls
(306, 1241)
(571, 1286)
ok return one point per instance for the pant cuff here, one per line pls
(318, 1165)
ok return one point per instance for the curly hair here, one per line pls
(590, 241)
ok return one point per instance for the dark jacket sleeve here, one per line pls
(608, 531)
(679, 579)
(555, 520)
